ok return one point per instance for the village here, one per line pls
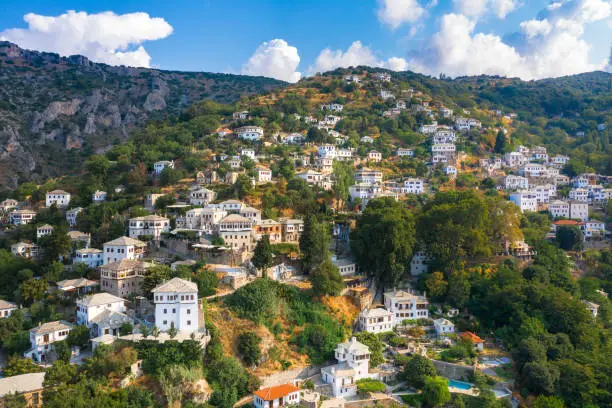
(150, 280)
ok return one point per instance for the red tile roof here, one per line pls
(272, 393)
(471, 336)
(566, 222)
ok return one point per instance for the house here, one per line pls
(294, 139)
(252, 133)
(383, 76)
(150, 200)
(413, 186)
(231, 205)
(264, 175)
(579, 194)
(352, 79)
(375, 320)
(176, 305)
(446, 112)
(559, 209)
(559, 160)
(466, 124)
(366, 175)
(512, 182)
(277, 396)
(450, 171)
(78, 286)
(123, 248)
(405, 305)
(79, 239)
(346, 267)
(292, 229)
(103, 313)
(401, 152)
(242, 115)
(160, 166)
(334, 107)
(25, 250)
(271, 228)
(98, 196)
(374, 156)
(250, 153)
(311, 176)
(429, 129)
(418, 263)
(123, 278)
(222, 132)
(237, 232)
(443, 152)
(526, 201)
(42, 338)
(474, 339)
(29, 386)
(367, 139)
(22, 217)
(6, 308)
(591, 307)
(443, 327)
(201, 196)
(58, 197)
(514, 159)
(593, 229)
(9, 204)
(206, 177)
(533, 170)
(579, 210)
(386, 94)
(353, 365)
(43, 230)
(251, 213)
(91, 257)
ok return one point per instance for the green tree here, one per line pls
(375, 345)
(543, 401)
(32, 290)
(383, 241)
(154, 276)
(79, 336)
(98, 166)
(207, 281)
(176, 380)
(500, 142)
(417, 370)
(62, 350)
(60, 373)
(243, 186)
(18, 365)
(343, 179)
(249, 347)
(435, 391)
(326, 279)
(540, 377)
(262, 255)
(569, 238)
(436, 285)
(125, 329)
(314, 242)
(55, 245)
(172, 331)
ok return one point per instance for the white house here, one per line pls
(43, 336)
(160, 166)
(591, 307)
(231, 205)
(405, 305)
(25, 250)
(22, 217)
(579, 210)
(418, 263)
(277, 396)
(386, 94)
(252, 133)
(58, 197)
(579, 194)
(9, 204)
(44, 230)
(558, 209)
(353, 365)
(533, 170)
(334, 107)
(176, 305)
(383, 76)
(375, 320)
(264, 175)
(149, 225)
(401, 152)
(450, 171)
(526, 201)
(367, 139)
(237, 232)
(413, 186)
(593, 229)
(512, 182)
(250, 153)
(514, 159)
(241, 115)
(201, 196)
(102, 313)
(345, 266)
(123, 248)
(374, 156)
(6, 308)
(559, 160)
(91, 257)
(443, 327)
(98, 196)
(366, 175)
(294, 138)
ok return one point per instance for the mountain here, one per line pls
(54, 110)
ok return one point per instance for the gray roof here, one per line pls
(51, 327)
(126, 241)
(21, 383)
(4, 304)
(125, 264)
(97, 299)
(176, 285)
(76, 283)
(353, 346)
(378, 312)
(110, 318)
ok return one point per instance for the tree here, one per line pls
(500, 142)
(32, 290)
(172, 331)
(262, 255)
(154, 276)
(326, 279)
(243, 186)
(55, 245)
(569, 238)
(417, 370)
(383, 240)
(18, 365)
(375, 345)
(249, 347)
(60, 373)
(125, 329)
(436, 285)
(543, 401)
(62, 350)
(314, 243)
(540, 377)
(98, 166)
(343, 179)
(176, 381)
(78, 336)
(435, 391)
(207, 282)
(145, 331)
(458, 292)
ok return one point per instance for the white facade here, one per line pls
(579, 210)
(450, 171)
(526, 201)
(91, 257)
(374, 156)
(264, 175)
(176, 305)
(353, 365)
(58, 197)
(252, 133)
(98, 196)
(123, 248)
(44, 230)
(401, 152)
(149, 225)
(201, 196)
(369, 176)
(405, 305)
(516, 183)
(558, 209)
(514, 159)
(25, 250)
(160, 166)
(22, 217)
(43, 336)
(237, 232)
(418, 263)
(6, 308)
(413, 186)
(443, 327)
(375, 321)
(334, 107)
(250, 153)
(579, 194)
(102, 312)
(277, 396)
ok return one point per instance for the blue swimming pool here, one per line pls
(459, 384)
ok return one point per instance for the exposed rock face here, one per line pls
(71, 102)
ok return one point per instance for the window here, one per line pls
(188, 311)
(165, 322)
(188, 322)
(165, 311)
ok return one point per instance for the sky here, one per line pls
(291, 39)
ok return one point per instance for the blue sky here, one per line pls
(456, 37)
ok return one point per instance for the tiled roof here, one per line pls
(77, 283)
(21, 383)
(126, 241)
(353, 346)
(471, 336)
(97, 299)
(377, 312)
(279, 391)
(125, 264)
(6, 304)
(176, 285)
(150, 218)
(51, 327)
(234, 218)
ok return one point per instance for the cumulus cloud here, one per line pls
(394, 13)
(103, 37)
(550, 46)
(356, 54)
(274, 59)
(477, 8)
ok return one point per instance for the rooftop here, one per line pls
(471, 336)
(126, 241)
(378, 312)
(125, 264)
(4, 304)
(76, 283)
(21, 383)
(279, 391)
(176, 285)
(353, 346)
(97, 299)
(51, 327)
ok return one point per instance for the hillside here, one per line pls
(54, 108)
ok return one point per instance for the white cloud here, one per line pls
(533, 28)
(103, 37)
(548, 47)
(274, 59)
(394, 13)
(357, 54)
(477, 8)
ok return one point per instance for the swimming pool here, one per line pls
(460, 384)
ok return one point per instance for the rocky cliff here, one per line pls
(54, 110)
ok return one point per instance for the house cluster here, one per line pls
(400, 306)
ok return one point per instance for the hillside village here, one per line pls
(350, 240)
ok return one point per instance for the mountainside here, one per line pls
(53, 108)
